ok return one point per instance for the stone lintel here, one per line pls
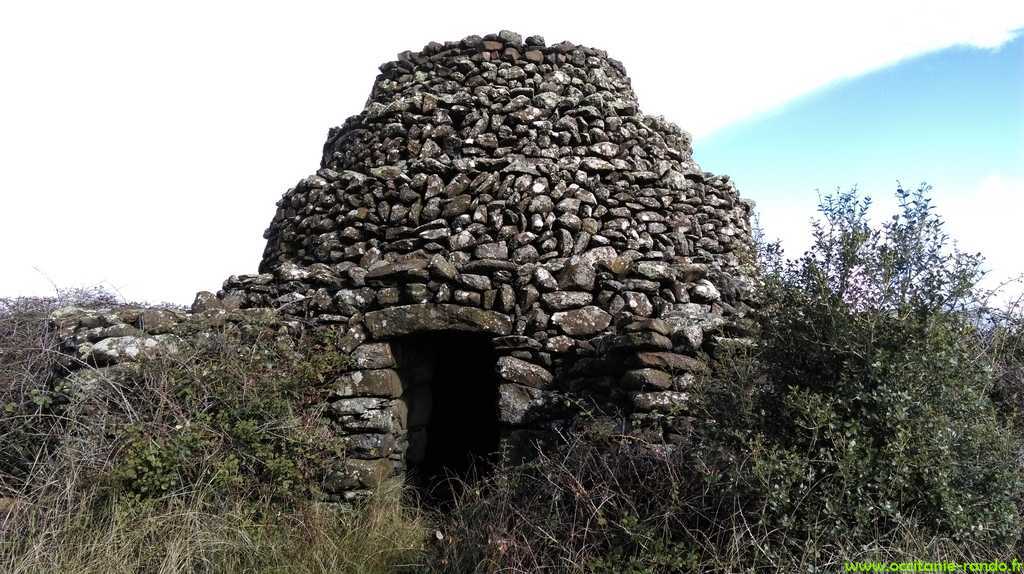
(426, 317)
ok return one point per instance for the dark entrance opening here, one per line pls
(451, 391)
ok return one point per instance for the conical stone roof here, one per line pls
(499, 148)
(512, 177)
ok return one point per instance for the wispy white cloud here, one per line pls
(145, 143)
(773, 55)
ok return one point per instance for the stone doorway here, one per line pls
(450, 389)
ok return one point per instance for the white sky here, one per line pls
(143, 144)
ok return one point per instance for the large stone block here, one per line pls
(130, 348)
(519, 404)
(515, 370)
(373, 356)
(357, 474)
(561, 300)
(577, 275)
(646, 379)
(368, 445)
(397, 269)
(672, 362)
(641, 341)
(368, 415)
(409, 319)
(369, 383)
(582, 322)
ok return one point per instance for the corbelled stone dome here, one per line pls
(503, 237)
(488, 146)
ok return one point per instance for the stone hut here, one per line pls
(508, 242)
(509, 248)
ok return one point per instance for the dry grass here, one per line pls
(101, 535)
(590, 508)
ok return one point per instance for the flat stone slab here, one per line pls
(661, 402)
(582, 322)
(389, 269)
(521, 372)
(369, 383)
(409, 319)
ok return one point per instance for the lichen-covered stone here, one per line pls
(519, 404)
(582, 322)
(560, 300)
(646, 379)
(672, 362)
(128, 348)
(704, 291)
(661, 401)
(368, 445)
(643, 341)
(368, 415)
(357, 474)
(369, 383)
(578, 275)
(518, 371)
(404, 320)
(205, 301)
(373, 356)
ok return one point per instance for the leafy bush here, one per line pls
(241, 416)
(878, 413)
(238, 411)
(1003, 331)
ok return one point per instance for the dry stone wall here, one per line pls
(511, 189)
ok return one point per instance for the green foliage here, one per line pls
(1004, 338)
(238, 412)
(241, 417)
(878, 412)
(208, 461)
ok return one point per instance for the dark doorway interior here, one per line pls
(451, 391)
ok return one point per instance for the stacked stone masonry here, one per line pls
(511, 189)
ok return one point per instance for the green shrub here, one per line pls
(878, 413)
(1004, 338)
(240, 415)
(238, 411)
